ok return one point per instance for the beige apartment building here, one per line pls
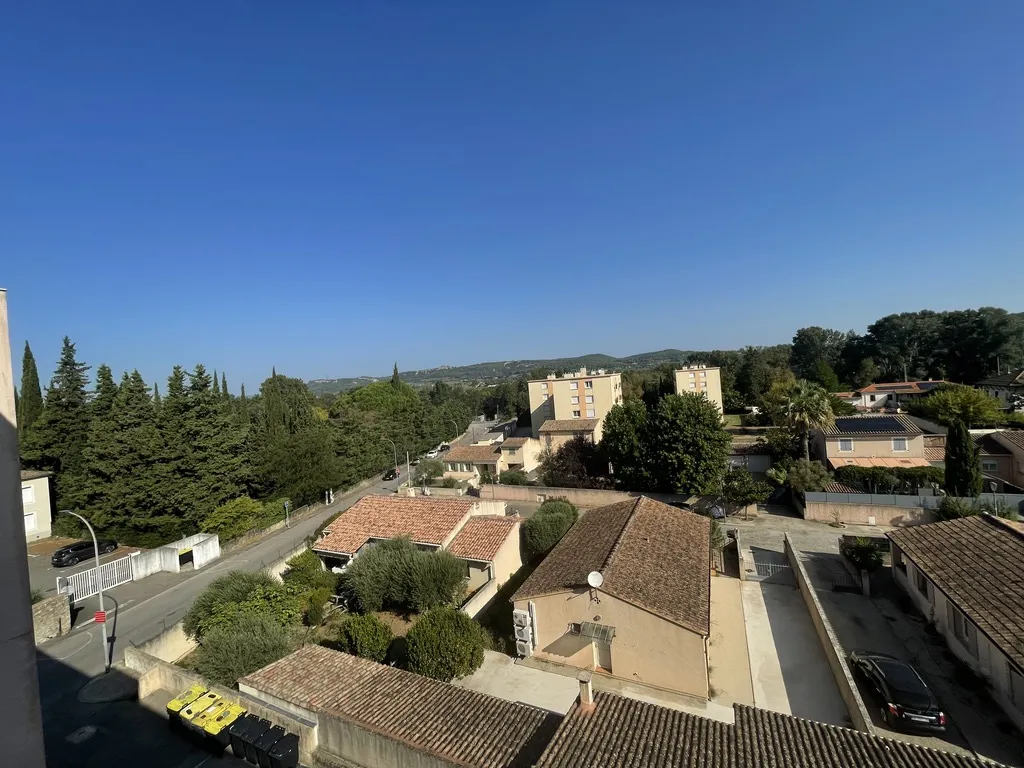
(700, 379)
(575, 396)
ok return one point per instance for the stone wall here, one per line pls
(51, 618)
(581, 497)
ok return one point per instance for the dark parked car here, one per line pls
(73, 554)
(905, 700)
(391, 474)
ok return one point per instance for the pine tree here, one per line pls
(156, 396)
(216, 384)
(963, 464)
(30, 397)
(396, 381)
(106, 391)
(60, 433)
(224, 386)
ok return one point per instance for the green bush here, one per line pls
(884, 480)
(445, 644)
(37, 596)
(428, 471)
(233, 587)
(315, 606)
(513, 477)
(951, 508)
(450, 482)
(231, 652)
(305, 571)
(282, 604)
(435, 578)
(863, 553)
(365, 635)
(232, 519)
(546, 528)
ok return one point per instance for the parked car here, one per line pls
(905, 699)
(433, 453)
(73, 554)
(392, 473)
(444, 447)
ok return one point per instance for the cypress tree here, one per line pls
(216, 383)
(156, 396)
(963, 465)
(224, 386)
(396, 381)
(30, 398)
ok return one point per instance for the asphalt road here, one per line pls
(138, 612)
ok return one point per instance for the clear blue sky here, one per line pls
(331, 186)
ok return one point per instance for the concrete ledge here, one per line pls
(830, 644)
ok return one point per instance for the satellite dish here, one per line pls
(595, 579)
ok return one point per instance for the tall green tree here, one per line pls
(963, 466)
(216, 384)
(224, 386)
(687, 445)
(104, 394)
(952, 403)
(813, 344)
(624, 443)
(396, 380)
(808, 408)
(30, 396)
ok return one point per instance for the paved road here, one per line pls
(140, 611)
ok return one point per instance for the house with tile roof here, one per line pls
(626, 593)
(890, 396)
(1012, 440)
(473, 462)
(1007, 388)
(871, 440)
(464, 527)
(967, 575)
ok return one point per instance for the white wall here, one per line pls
(205, 551)
(37, 510)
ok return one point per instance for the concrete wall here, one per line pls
(278, 567)
(581, 497)
(154, 675)
(481, 599)
(51, 618)
(508, 559)
(830, 645)
(368, 749)
(163, 558)
(170, 645)
(205, 551)
(488, 506)
(646, 649)
(867, 514)
(38, 512)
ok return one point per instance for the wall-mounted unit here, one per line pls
(521, 618)
(524, 633)
(523, 649)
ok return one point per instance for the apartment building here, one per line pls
(695, 379)
(580, 395)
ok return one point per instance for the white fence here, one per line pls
(79, 586)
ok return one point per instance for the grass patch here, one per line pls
(733, 420)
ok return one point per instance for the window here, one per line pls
(703, 374)
(846, 444)
(30, 522)
(872, 398)
(899, 443)
(590, 398)
(693, 385)
(28, 494)
(897, 559)
(922, 584)
(544, 386)
(963, 629)
(575, 399)
(692, 375)
(546, 396)
(990, 466)
(588, 385)
(703, 385)
(574, 385)
(591, 413)
(575, 414)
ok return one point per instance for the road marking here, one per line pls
(87, 640)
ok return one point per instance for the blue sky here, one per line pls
(331, 186)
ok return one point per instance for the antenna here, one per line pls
(595, 579)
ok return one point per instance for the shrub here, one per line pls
(231, 519)
(234, 651)
(863, 553)
(513, 477)
(305, 571)
(445, 644)
(314, 610)
(428, 470)
(806, 476)
(281, 604)
(365, 635)
(435, 578)
(37, 596)
(233, 587)
(450, 482)
(546, 528)
(951, 508)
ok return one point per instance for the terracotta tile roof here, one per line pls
(772, 740)
(845, 395)
(627, 733)
(836, 487)
(1011, 379)
(515, 442)
(877, 462)
(569, 425)
(873, 424)
(978, 562)
(1013, 436)
(650, 554)
(935, 447)
(473, 454)
(453, 724)
(902, 387)
(482, 537)
(34, 474)
(934, 454)
(426, 520)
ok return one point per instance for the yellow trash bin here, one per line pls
(199, 722)
(182, 700)
(197, 707)
(216, 727)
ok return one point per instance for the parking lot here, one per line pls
(43, 576)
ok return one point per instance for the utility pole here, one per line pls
(394, 447)
(99, 586)
(454, 422)
(21, 739)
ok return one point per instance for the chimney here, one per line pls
(586, 690)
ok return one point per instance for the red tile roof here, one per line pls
(482, 537)
(569, 425)
(515, 442)
(455, 725)
(650, 554)
(473, 454)
(902, 387)
(425, 520)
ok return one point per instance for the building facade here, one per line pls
(1008, 389)
(871, 441)
(700, 379)
(36, 505)
(580, 395)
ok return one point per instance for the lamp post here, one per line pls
(287, 507)
(394, 447)
(99, 583)
(456, 424)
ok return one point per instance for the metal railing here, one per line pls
(83, 584)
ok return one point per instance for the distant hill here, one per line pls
(492, 373)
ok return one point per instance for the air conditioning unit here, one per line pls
(521, 618)
(524, 633)
(523, 649)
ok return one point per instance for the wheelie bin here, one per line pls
(252, 736)
(199, 722)
(264, 744)
(196, 708)
(285, 754)
(217, 727)
(182, 700)
(237, 732)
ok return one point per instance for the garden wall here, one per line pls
(581, 497)
(51, 618)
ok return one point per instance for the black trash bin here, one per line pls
(253, 735)
(236, 731)
(285, 754)
(264, 744)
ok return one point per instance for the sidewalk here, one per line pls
(728, 657)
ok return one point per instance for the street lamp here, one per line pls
(456, 430)
(99, 583)
(395, 447)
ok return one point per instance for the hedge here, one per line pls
(445, 644)
(365, 635)
(549, 524)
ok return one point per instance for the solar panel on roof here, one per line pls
(870, 424)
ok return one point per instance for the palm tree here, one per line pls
(808, 408)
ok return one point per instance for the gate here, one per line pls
(79, 586)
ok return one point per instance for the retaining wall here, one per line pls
(830, 644)
(205, 551)
(866, 514)
(581, 497)
(481, 598)
(51, 618)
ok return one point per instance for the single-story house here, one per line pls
(554, 433)
(36, 504)
(966, 576)
(626, 593)
(889, 440)
(1007, 388)
(471, 462)
(889, 396)
(520, 453)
